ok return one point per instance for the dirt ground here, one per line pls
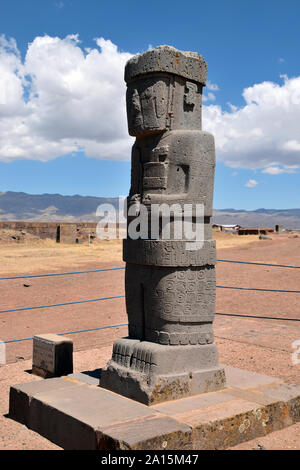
(256, 344)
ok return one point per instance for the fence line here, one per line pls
(69, 332)
(259, 290)
(60, 274)
(258, 316)
(122, 267)
(122, 296)
(258, 264)
(62, 304)
(126, 324)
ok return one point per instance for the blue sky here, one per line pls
(63, 126)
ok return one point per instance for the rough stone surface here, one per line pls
(66, 233)
(143, 435)
(169, 253)
(186, 64)
(52, 355)
(244, 379)
(170, 289)
(78, 415)
(20, 397)
(153, 373)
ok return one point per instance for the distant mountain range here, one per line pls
(50, 207)
(55, 207)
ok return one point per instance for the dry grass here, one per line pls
(229, 240)
(47, 256)
(41, 256)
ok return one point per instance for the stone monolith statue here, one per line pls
(170, 289)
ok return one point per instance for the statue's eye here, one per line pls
(136, 100)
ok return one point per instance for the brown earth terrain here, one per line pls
(257, 344)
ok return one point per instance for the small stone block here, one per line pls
(52, 355)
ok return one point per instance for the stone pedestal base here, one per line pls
(152, 373)
(76, 414)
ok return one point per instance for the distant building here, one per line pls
(226, 228)
(62, 232)
(255, 230)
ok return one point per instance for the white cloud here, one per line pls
(212, 86)
(208, 95)
(275, 170)
(251, 183)
(262, 133)
(62, 99)
(291, 145)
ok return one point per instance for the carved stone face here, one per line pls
(147, 105)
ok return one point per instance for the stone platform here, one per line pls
(75, 413)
